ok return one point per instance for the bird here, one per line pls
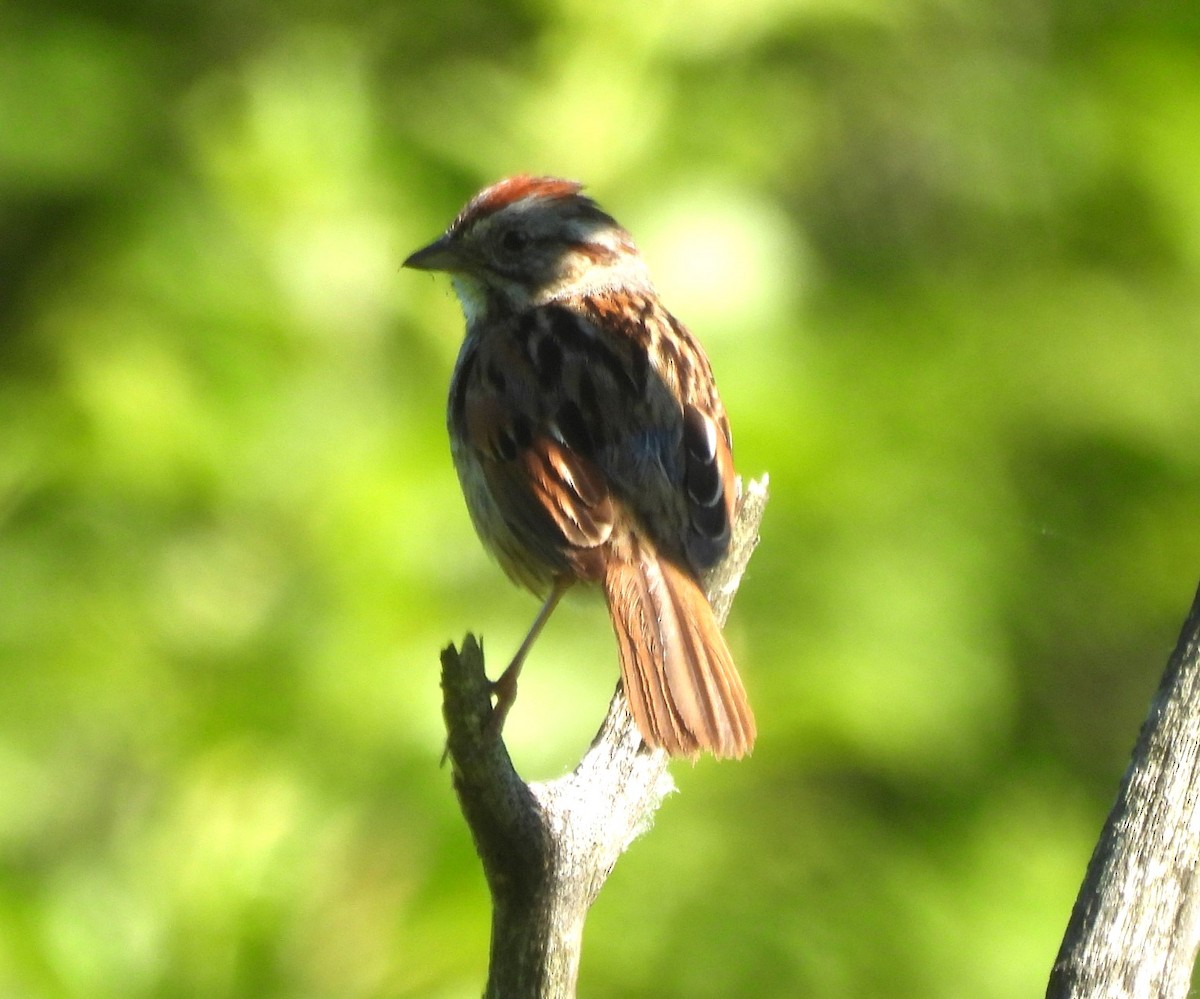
(592, 448)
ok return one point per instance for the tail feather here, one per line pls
(679, 677)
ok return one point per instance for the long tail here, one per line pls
(680, 680)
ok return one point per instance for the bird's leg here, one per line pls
(505, 687)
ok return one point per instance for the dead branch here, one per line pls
(547, 848)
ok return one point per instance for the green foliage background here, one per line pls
(945, 258)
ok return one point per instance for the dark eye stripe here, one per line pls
(514, 241)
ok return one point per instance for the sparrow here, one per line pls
(592, 448)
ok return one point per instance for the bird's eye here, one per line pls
(513, 241)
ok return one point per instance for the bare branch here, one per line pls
(1135, 927)
(547, 848)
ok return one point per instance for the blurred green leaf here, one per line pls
(944, 259)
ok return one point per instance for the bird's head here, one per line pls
(530, 240)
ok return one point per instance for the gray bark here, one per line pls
(1135, 927)
(547, 848)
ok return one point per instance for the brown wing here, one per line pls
(541, 505)
(570, 410)
(642, 388)
(559, 500)
(708, 483)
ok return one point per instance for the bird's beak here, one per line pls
(440, 255)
